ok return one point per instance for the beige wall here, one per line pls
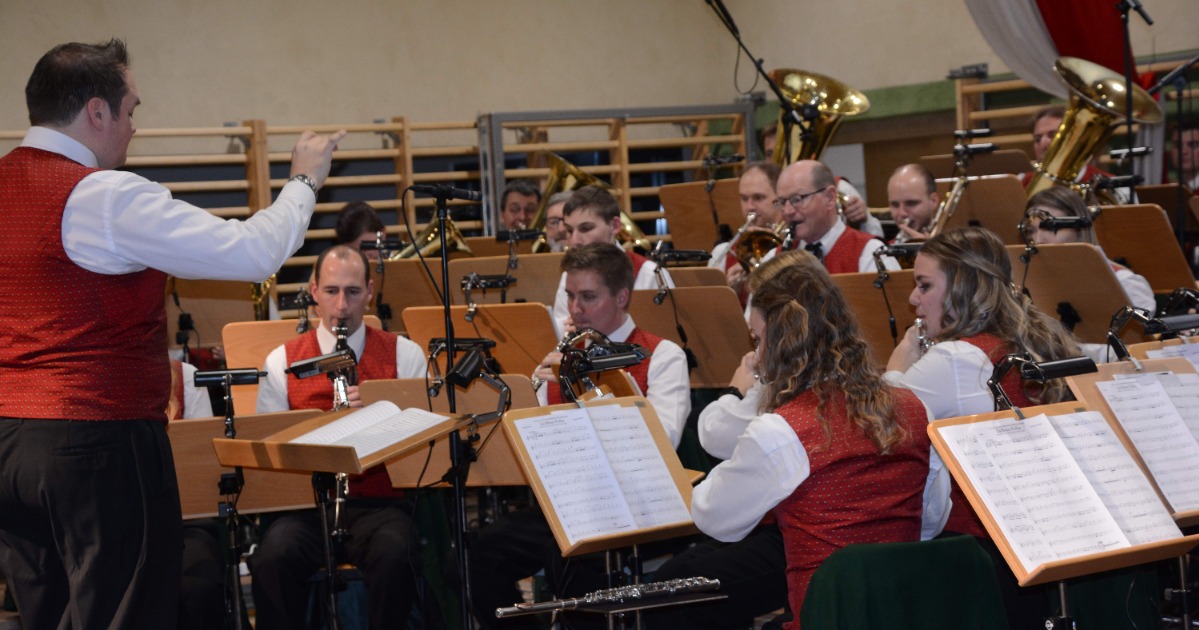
(200, 63)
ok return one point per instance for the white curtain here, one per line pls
(1017, 34)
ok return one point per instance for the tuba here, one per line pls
(1097, 97)
(566, 176)
(260, 297)
(829, 98)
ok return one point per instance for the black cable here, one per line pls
(421, 256)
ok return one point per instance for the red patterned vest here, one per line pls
(378, 361)
(962, 518)
(175, 410)
(74, 345)
(639, 372)
(853, 494)
(843, 257)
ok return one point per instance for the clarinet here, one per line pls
(342, 330)
(562, 345)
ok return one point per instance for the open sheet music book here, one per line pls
(600, 471)
(372, 428)
(1159, 412)
(1058, 487)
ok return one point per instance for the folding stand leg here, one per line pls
(321, 484)
(1182, 594)
(1063, 621)
(230, 485)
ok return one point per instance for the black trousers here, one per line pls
(382, 544)
(90, 523)
(752, 573)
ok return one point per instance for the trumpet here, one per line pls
(922, 336)
(750, 248)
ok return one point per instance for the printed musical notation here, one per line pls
(1059, 487)
(373, 428)
(1165, 442)
(602, 471)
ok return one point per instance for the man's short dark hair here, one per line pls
(600, 201)
(354, 219)
(608, 260)
(70, 75)
(341, 252)
(769, 169)
(520, 186)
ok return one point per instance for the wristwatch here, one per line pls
(304, 179)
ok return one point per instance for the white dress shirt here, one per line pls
(646, 278)
(196, 403)
(950, 379)
(272, 389)
(871, 225)
(667, 379)
(117, 222)
(768, 463)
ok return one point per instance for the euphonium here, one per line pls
(429, 241)
(832, 101)
(753, 245)
(948, 206)
(1097, 101)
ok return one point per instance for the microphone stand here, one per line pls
(460, 452)
(1124, 6)
(792, 116)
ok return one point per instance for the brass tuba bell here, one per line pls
(832, 101)
(566, 176)
(1097, 98)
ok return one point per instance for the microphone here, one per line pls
(899, 250)
(1060, 368)
(974, 149)
(1120, 154)
(518, 235)
(1054, 224)
(1116, 181)
(447, 191)
(713, 160)
(963, 134)
(239, 376)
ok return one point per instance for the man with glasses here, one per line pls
(807, 197)
(555, 227)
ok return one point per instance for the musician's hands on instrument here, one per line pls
(906, 353)
(747, 372)
(913, 235)
(313, 154)
(353, 396)
(736, 276)
(545, 370)
(855, 210)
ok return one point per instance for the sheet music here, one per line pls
(372, 428)
(652, 496)
(1037, 494)
(572, 465)
(1188, 351)
(1183, 390)
(1026, 539)
(1164, 441)
(1120, 483)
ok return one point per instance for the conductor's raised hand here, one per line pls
(313, 154)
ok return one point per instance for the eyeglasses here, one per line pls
(795, 200)
(553, 222)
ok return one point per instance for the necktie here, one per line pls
(816, 250)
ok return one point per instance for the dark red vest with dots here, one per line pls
(378, 361)
(74, 344)
(852, 494)
(843, 257)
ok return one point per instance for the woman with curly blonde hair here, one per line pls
(836, 454)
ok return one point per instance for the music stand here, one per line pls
(697, 277)
(867, 301)
(689, 212)
(1053, 280)
(714, 324)
(488, 246)
(995, 202)
(405, 284)
(522, 332)
(496, 465)
(1167, 196)
(211, 303)
(1140, 237)
(536, 278)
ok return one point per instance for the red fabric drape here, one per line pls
(1088, 29)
